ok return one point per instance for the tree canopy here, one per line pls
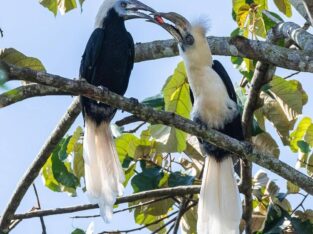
(157, 143)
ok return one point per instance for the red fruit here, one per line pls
(159, 19)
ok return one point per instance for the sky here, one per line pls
(59, 43)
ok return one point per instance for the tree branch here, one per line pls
(305, 10)
(148, 114)
(157, 193)
(127, 120)
(234, 46)
(294, 32)
(33, 171)
(27, 91)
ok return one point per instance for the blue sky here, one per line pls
(59, 43)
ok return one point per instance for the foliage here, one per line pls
(63, 6)
(161, 156)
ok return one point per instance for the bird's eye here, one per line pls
(189, 40)
(123, 4)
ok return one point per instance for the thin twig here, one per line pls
(122, 210)
(291, 75)
(43, 226)
(182, 208)
(301, 204)
(145, 226)
(135, 129)
(164, 226)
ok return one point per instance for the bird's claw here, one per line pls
(103, 88)
(133, 100)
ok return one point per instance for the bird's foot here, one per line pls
(133, 100)
(103, 89)
(203, 127)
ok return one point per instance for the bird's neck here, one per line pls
(111, 21)
(198, 55)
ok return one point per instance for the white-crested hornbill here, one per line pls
(107, 62)
(215, 106)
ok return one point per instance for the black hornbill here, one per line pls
(107, 62)
(215, 106)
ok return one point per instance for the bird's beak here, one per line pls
(134, 8)
(178, 30)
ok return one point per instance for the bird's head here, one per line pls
(128, 9)
(191, 37)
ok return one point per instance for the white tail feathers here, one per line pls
(219, 209)
(103, 172)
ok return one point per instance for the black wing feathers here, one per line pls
(91, 54)
(220, 70)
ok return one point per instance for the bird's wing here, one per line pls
(234, 128)
(91, 54)
(220, 70)
(131, 54)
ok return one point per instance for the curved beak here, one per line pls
(180, 27)
(134, 8)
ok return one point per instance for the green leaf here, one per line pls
(189, 221)
(156, 102)
(309, 135)
(303, 227)
(299, 133)
(274, 219)
(74, 140)
(52, 5)
(160, 208)
(309, 165)
(243, 16)
(51, 183)
(304, 147)
(269, 23)
(144, 219)
(262, 4)
(237, 4)
(177, 179)
(284, 6)
(274, 113)
(48, 178)
(148, 179)
(126, 146)
(265, 143)
(62, 5)
(78, 231)
(61, 171)
(129, 173)
(63, 149)
(176, 94)
(193, 151)
(288, 96)
(292, 188)
(78, 162)
(14, 57)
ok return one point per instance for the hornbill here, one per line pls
(107, 62)
(215, 106)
